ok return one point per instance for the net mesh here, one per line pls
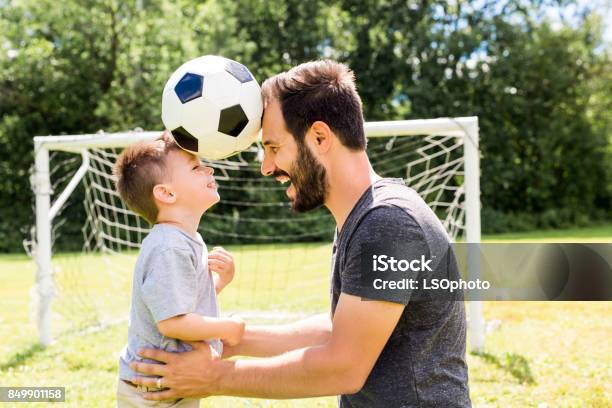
(282, 258)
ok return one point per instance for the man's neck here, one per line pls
(348, 180)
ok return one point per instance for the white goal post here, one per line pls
(462, 128)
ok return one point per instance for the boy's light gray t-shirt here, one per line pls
(171, 278)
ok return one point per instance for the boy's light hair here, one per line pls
(138, 169)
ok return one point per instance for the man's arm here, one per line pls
(267, 341)
(193, 327)
(340, 366)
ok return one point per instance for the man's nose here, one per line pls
(210, 170)
(267, 166)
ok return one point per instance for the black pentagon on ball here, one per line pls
(184, 139)
(189, 87)
(232, 120)
(238, 71)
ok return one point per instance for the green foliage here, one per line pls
(548, 155)
(543, 92)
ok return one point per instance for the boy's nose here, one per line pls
(210, 171)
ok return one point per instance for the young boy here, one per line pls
(174, 295)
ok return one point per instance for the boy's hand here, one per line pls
(234, 331)
(222, 263)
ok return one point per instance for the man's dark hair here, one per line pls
(319, 91)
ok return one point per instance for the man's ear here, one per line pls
(163, 194)
(321, 136)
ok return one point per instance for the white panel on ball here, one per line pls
(253, 107)
(220, 146)
(200, 117)
(171, 109)
(207, 64)
(222, 89)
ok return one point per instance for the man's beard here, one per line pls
(309, 179)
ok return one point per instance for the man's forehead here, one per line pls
(273, 124)
(270, 133)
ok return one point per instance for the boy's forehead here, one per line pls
(181, 155)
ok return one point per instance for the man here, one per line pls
(377, 348)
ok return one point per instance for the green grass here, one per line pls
(601, 233)
(544, 353)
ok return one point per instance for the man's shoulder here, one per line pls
(386, 216)
(393, 211)
(389, 205)
(395, 192)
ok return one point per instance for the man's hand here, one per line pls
(233, 332)
(186, 374)
(221, 262)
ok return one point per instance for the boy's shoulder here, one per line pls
(167, 236)
(163, 238)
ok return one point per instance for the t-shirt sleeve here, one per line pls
(380, 251)
(169, 286)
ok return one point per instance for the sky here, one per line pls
(604, 7)
(608, 32)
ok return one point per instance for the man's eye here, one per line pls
(196, 167)
(271, 148)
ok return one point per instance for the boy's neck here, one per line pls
(185, 222)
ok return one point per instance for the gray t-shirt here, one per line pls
(423, 363)
(171, 278)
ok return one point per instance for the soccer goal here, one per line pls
(85, 240)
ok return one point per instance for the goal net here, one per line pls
(85, 240)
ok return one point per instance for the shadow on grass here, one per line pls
(22, 357)
(514, 364)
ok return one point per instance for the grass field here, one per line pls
(542, 354)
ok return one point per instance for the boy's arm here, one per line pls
(194, 327)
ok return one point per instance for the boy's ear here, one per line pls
(163, 194)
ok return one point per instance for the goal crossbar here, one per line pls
(441, 126)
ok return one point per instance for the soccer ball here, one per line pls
(213, 107)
